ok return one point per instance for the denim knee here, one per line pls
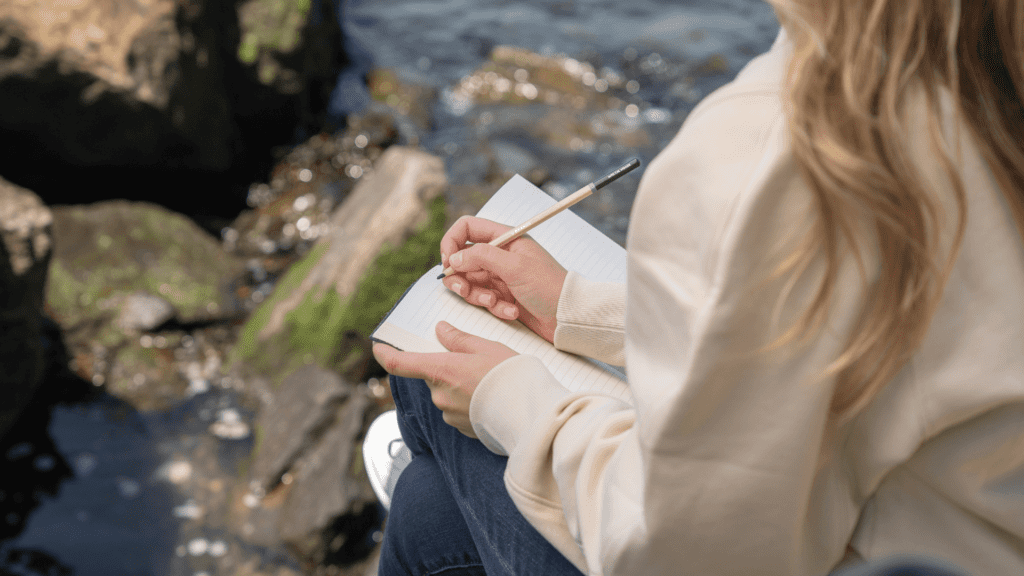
(425, 531)
(903, 566)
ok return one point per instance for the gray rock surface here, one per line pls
(141, 311)
(303, 407)
(24, 256)
(323, 488)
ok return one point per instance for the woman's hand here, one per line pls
(452, 376)
(519, 280)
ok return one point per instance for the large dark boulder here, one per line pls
(141, 97)
(24, 256)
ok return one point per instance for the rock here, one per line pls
(120, 268)
(97, 58)
(324, 489)
(290, 43)
(144, 377)
(384, 209)
(567, 104)
(97, 85)
(411, 101)
(141, 312)
(24, 257)
(303, 407)
(115, 254)
(304, 462)
(514, 159)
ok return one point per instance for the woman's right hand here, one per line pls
(520, 280)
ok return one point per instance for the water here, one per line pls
(656, 44)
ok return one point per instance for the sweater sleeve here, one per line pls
(717, 468)
(592, 319)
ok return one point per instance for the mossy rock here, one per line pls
(270, 27)
(145, 377)
(106, 251)
(329, 331)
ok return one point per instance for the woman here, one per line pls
(822, 327)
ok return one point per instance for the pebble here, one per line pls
(19, 450)
(197, 386)
(141, 312)
(218, 548)
(198, 546)
(229, 425)
(189, 510)
(84, 464)
(128, 487)
(178, 471)
(44, 463)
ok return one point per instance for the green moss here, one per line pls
(118, 248)
(249, 338)
(271, 25)
(321, 321)
(316, 330)
(248, 48)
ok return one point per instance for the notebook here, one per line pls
(573, 242)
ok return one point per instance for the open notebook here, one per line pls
(571, 240)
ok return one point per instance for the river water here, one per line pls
(653, 43)
(107, 477)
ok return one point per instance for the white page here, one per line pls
(571, 240)
(411, 325)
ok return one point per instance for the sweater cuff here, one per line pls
(591, 319)
(510, 398)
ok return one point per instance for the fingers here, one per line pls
(498, 300)
(484, 257)
(469, 229)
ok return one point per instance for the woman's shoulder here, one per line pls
(705, 181)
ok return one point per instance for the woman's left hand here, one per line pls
(452, 376)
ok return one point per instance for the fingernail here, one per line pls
(510, 310)
(486, 299)
(456, 259)
(444, 326)
(457, 287)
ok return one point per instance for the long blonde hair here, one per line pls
(853, 64)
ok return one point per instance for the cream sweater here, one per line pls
(728, 462)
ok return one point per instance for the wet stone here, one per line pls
(323, 489)
(141, 312)
(303, 406)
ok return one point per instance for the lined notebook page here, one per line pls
(570, 239)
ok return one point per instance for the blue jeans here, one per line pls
(903, 566)
(450, 513)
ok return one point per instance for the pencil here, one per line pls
(555, 209)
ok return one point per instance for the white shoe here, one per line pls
(385, 455)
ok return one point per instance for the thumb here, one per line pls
(456, 340)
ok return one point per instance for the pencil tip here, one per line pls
(441, 275)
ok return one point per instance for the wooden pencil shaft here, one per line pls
(543, 216)
(555, 209)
